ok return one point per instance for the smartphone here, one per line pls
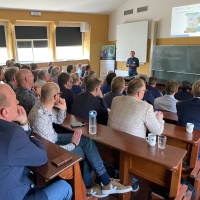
(75, 124)
(61, 160)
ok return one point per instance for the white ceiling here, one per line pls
(80, 6)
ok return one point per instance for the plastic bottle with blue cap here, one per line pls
(92, 122)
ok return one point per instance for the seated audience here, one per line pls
(168, 102)
(26, 67)
(42, 118)
(35, 74)
(91, 74)
(184, 94)
(87, 70)
(1, 73)
(134, 116)
(148, 97)
(43, 78)
(74, 68)
(34, 66)
(25, 94)
(55, 72)
(10, 64)
(104, 78)
(65, 84)
(13, 60)
(70, 69)
(76, 83)
(83, 71)
(189, 111)
(117, 87)
(19, 150)
(152, 87)
(163, 92)
(10, 77)
(17, 65)
(51, 65)
(86, 101)
(80, 70)
(6, 66)
(107, 88)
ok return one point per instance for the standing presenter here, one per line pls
(132, 64)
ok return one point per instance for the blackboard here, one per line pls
(185, 59)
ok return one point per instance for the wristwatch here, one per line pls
(24, 124)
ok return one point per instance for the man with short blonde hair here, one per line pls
(117, 87)
(168, 102)
(86, 101)
(134, 116)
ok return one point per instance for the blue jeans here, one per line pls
(132, 72)
(87, 149)
(59, 190)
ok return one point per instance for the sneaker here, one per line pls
(95, 190)
(114, 186)
(135, 186)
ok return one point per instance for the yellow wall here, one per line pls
(97, 36)
(144, 69)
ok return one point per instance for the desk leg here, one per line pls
(126, 178)
(79, 186)
(175, 181)
(194, 155)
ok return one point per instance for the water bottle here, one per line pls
(92, 122)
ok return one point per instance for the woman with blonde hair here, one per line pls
(76, 83)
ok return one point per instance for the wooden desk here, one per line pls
(70, 170)
(162, 167)
(169, 116)
(178, 136)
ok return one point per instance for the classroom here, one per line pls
(100, 100)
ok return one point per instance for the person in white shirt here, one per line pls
(168, 102)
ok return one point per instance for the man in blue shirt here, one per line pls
(132, 64)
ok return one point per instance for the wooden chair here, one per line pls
(183, 194)
(195, 174)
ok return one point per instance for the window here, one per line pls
(3, 48)
(32, 44)
(68, 43)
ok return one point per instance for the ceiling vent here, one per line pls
(128, 12)
(36, 13)
(142, 9)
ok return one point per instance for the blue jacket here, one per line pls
(105, 89)
(189, 112)
(85, 102)
(148, 97)
(183, 95)
(154, 91)
(17, 150)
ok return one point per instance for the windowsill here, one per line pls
(23, 63)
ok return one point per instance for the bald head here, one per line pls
(21, 75)
(5, 93)
(49, 90)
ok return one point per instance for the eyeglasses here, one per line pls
(60, 93)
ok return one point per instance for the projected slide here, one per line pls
(186, 21)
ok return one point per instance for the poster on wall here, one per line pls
(107, 59)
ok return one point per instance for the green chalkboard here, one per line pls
(185, 59)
